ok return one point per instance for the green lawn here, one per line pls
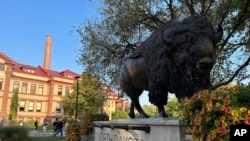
(47, 138)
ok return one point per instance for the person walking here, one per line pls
(55, 123)
(66, 128)
(36, 125)
(59, 128)
(45, 124)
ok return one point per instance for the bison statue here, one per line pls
(176, 58)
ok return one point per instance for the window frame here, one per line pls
(67, 91)
(58, 107)
(31, 106)
(40, 89)
(24, 87)
(1, 83)
(59, 90)
(16, 86)
(33, 89)
(22, 106)
(2, 67)
(38, 106)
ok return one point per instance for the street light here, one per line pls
(77, 91)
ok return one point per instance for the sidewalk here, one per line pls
(40, 133)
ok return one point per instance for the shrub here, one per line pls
(86, 125)
(118, 114)
(14, 133)
(73, 132)
(173, 108)
(208, 114)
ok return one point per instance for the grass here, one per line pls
(47, 138)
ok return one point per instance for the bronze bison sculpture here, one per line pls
(176, 58)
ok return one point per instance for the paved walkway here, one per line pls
(41, 134)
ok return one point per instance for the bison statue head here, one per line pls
(176, 58)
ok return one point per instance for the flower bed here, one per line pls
(209, 114)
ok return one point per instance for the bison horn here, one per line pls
(219, 34)
(165, 38)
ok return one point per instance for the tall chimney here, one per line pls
(47, 53)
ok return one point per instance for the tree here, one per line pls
(151, 110)
(14, 106)
(91, 96)
(118, 114)
(173, 108)
(125, 24)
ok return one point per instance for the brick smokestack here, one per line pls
(47, 53)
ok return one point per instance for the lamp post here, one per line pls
(77, 91)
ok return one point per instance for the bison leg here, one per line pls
(161, 111)
(132, 112)
(134, 96)
(139, 108)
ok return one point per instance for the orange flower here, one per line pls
(208, 107)
(213, 95)
(208, 118)
(217, 123)
(228, 110)
(247, 121)
(243, 109)
(237, 118)
(227, 97)
(222, 108)
(201, 97)
(248, 112)
(197, 121)
(222, 119)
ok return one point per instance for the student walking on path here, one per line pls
(55, 123)
(45, 124)
(59, 128)
(36, 125)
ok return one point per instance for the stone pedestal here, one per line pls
(152, 129)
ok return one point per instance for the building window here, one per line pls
(38, 106)
(22, 106)
(16, 86)
(1, 83)
(59, 91)
(24, 87)
(31, 106)
(40, 89)
(33, 89)
(66, 90)
(58, 108)
(1, 67)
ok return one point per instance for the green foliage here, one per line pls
(91, 96)
(243, 97)
(14, 133)
(173, 108)
(100, 117)
(14, 106)
(151, 110)
(123, 25)
(118, 114)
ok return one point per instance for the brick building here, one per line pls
(39, 88)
